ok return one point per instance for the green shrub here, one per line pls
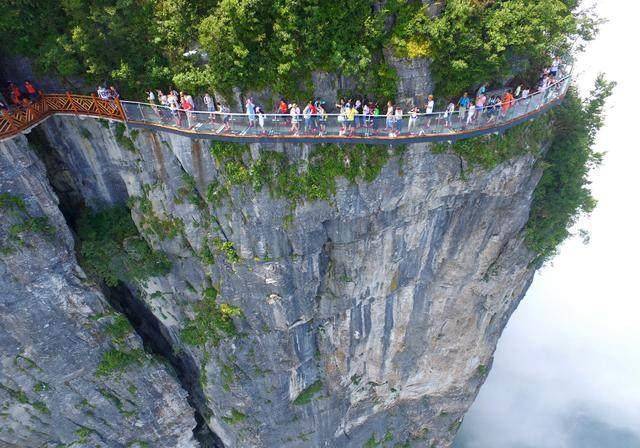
(119, 328)
(15, 207)
(228, 376)
(372, 442)
(255, 44)
(226, 247)
(122, 139)
(116, 360)
(290, 180)
(307, 394)
(212, 321)
(205, 254)
(112, 250)
(215, 192)
(167, 228)
(12, 204)
(236, 417)
(41, 386)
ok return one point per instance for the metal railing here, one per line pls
(332, 127)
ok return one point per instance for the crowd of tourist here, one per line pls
(353, 114)
(16, 96)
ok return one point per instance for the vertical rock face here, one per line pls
(53, 335)
(369, 319)
(414, 79)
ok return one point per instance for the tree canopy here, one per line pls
(253, 44)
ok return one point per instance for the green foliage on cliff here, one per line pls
(235, 418)
(22, 223)
(490, 150)
(123, 140)
(297, 181)
(212, 321)
(117, 360)
(307, 394)
(19, 396)
(111, 248)
(150, 222)
(563, 193)
(277, 44)
(119, 328)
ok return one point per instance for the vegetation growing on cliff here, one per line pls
(23, 222)
(116, 360)
(255, 44)
(212, 321)
(297, 181)
(111, 248)
(490, 150)
(563, 193)
(308, 393)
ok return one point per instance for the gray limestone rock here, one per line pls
(369, 318)
(53, 334)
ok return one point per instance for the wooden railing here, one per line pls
(18, 120)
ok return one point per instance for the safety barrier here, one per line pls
(242, 127)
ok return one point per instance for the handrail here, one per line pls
(328, 127)
(20, 120)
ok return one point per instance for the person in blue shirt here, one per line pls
(463, 105)
(482, 90)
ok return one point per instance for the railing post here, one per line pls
(45, 103)
(10, 119)
(70, 98)
(95, 103)
(118, 104)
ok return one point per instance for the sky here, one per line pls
(567, 368)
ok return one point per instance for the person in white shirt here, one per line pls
(555, 66)
(472, 112)
(413, 118)
(103, 93)
(211, 106)
(261, 117)
(389, 122)
(366, 117)
(448, 114)
(295, 113)
(151, 97)
(398, 121)
(429, 109)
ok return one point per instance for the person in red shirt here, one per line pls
(507, 102)
(283, 109)
(16, 95)
(314, 116)
(32, 92)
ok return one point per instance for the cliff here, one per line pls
(366, 307)
(55, 330)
